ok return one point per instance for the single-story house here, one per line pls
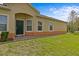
(24, 19)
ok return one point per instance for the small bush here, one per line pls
(4, 36)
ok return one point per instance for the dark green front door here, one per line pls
(19, 27)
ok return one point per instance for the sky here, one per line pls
(59, 11)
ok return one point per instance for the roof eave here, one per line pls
(4, 7)
(33, 8)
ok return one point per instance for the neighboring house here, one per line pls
(23, 19)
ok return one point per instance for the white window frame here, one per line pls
(26, 26)
(7, 25)
(49, 27)
(42, 26)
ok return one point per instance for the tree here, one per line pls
(72, 21)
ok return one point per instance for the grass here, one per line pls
(61, 45)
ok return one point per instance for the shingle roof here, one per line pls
(51, 18)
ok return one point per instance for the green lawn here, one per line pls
(61, 45)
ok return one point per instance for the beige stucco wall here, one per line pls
(19, 8)
(60, 26)
(22, 8)
(57, 25)
(25, 9)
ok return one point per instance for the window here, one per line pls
(50, 26)
(39, 26)
(3, 23)
(29, 25)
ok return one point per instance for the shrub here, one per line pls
(4, 36)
